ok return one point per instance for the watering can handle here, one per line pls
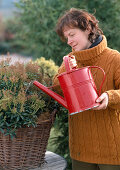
(99, 92)
(66, 62)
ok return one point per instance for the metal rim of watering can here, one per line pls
(83, 110)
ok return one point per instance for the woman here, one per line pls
(94, 135)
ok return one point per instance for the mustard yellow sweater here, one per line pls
(94, 136)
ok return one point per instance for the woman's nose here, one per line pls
(69, 41)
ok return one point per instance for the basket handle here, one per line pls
(53, 115)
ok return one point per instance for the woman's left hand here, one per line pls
(103, 100)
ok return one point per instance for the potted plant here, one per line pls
(26, 113)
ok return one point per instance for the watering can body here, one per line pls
(79, 89)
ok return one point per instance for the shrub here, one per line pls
(21, 103)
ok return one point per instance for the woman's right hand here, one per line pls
(72, 61)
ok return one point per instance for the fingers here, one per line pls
(71, 56)
(100, 107)
(103, 100)
(102, 97)
(72, 61)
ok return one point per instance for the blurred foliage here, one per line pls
(37, 32)
(34, 25)
(108, 14)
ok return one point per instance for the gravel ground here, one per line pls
(16, 58)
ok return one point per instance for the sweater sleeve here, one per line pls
(114, 94)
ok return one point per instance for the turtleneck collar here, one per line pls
(91, 55)
(97, 41)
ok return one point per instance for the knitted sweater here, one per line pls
(94, 136)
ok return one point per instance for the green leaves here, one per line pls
(37, 30)
(38, 20)
(21, 103)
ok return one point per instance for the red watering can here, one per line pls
(80, 92)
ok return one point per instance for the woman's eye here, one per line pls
(71, 35)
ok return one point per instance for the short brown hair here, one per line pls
(76, 18)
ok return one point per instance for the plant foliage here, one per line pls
(21, 103)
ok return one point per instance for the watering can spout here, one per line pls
(54, 95)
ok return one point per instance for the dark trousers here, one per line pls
(78, 165)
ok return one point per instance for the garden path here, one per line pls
(16, 58)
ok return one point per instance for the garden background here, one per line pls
(27, 28)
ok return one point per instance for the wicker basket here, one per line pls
(28, 149)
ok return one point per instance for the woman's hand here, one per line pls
(72, 61)
(103, 100)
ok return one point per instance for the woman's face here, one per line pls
(77, 38)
